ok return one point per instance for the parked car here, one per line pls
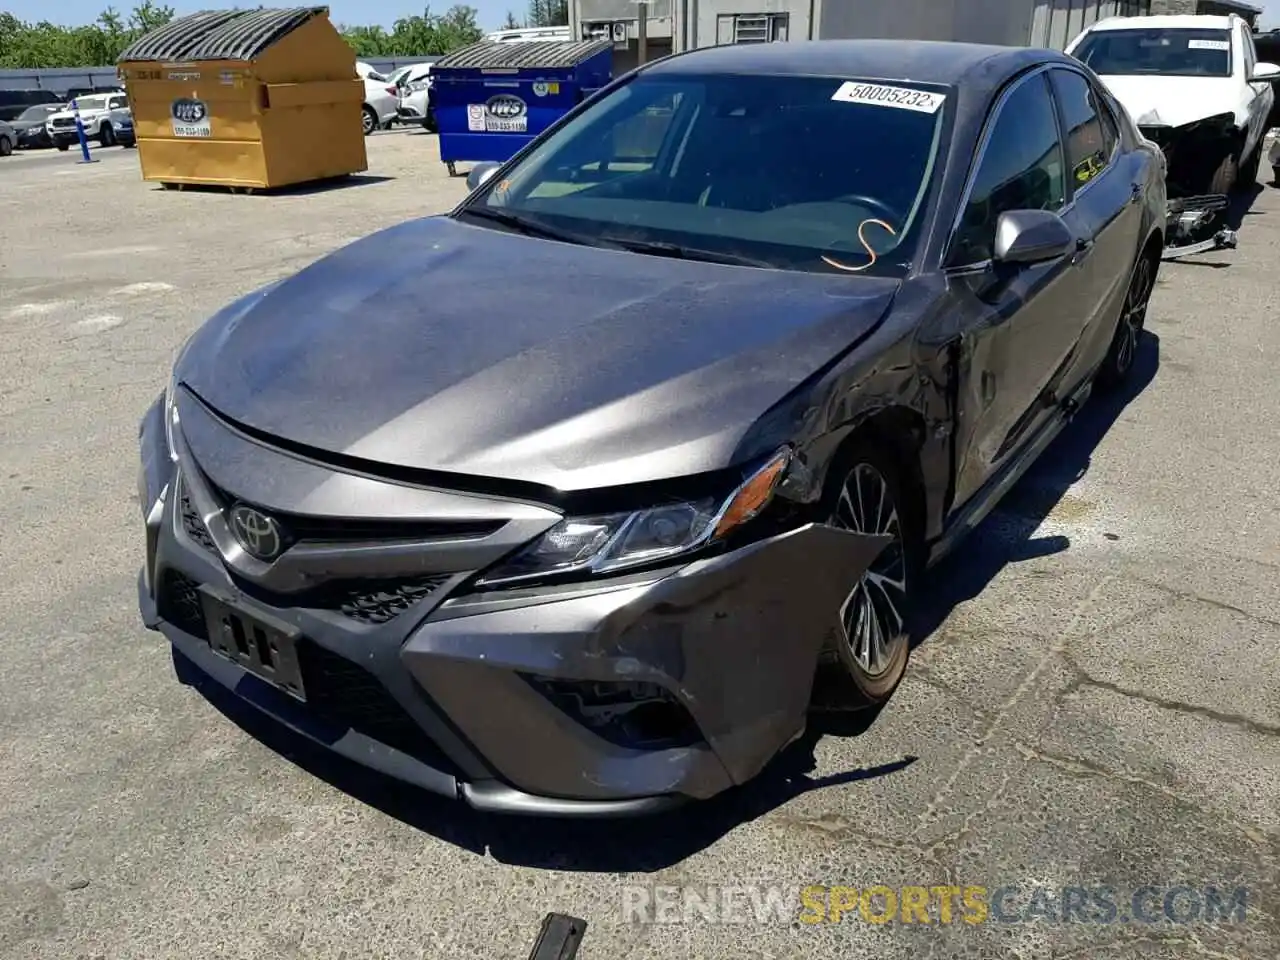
(101, 115)
(14, 102)
(381, 99)
(415, 97)
(125, 134)
(31, 126)
(654, 434)
(1195, 86)
(8, 138)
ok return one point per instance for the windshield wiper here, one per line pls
(530, 228)
(675, 251)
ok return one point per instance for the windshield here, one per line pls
(800, 173)
(39, 113)
(1163, 52)
(91, 103)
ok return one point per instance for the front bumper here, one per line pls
(503, 699)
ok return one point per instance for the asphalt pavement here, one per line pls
(1094, 719)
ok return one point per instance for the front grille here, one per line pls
(178, 602)
(63, 122)
(375, 602)
(368, 601)
(348, 696)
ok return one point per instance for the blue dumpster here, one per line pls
(492, 98)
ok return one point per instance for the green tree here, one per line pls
(426, 35)
(40, 45)
(548, 13)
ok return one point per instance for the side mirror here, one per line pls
(1265, 71)
(1031, 236)
(481, 173)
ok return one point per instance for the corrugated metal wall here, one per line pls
(1056, 23)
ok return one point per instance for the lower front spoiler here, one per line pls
(197, 665)
(1191, 226)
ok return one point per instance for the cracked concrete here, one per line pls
(1097, 705)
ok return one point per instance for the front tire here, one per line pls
(107, 136)
(64, 147)
(867, 656)
(1119, 361)
(1225, 177)
(6, 147)
(1248, 174)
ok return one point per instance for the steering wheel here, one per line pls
(877, 207)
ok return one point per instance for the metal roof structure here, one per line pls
(219, 35)
(515, 55)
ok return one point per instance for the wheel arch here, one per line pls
(901, 431)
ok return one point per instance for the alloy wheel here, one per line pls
(368, 121)
(873, 614)
(1134, 314)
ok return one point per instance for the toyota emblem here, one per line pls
(259, 534)
(505, 107)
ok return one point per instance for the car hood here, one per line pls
(438, 345)
(1173, 101)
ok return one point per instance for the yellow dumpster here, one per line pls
(246, 98)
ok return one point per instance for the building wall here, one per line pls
(714, 21)
(974, 21)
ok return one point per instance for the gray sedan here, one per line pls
(577, 500)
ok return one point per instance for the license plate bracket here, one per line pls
(263, 646)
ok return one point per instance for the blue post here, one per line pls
(84, 141)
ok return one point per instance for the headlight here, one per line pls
(609, 542)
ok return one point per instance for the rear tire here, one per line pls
(1225, 177)
(6, 147)
(1119, 361)
(867, 656)
(368, 120)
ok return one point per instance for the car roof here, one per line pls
(903, 61)
(1172, 22)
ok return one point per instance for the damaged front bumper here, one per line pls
(1194, 225)
(603, 698)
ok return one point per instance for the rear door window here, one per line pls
(1089, 143)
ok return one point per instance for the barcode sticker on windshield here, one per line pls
(904, 98)
(1208, 44)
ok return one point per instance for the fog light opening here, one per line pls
(640, 716)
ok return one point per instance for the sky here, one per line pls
(385, 12)
(351, 12)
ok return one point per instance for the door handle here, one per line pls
(1083, 247)
(1135, 194)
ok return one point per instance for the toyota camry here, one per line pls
(579, 499)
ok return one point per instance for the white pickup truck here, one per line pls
(103, 114)
(1192, 84)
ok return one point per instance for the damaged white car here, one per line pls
(1193, 84)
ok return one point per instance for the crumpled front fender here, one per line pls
(734, 638)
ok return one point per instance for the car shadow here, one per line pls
(1241, 204)
(647, 844)
(345, 182)
(664, 839)
(1008, 534)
